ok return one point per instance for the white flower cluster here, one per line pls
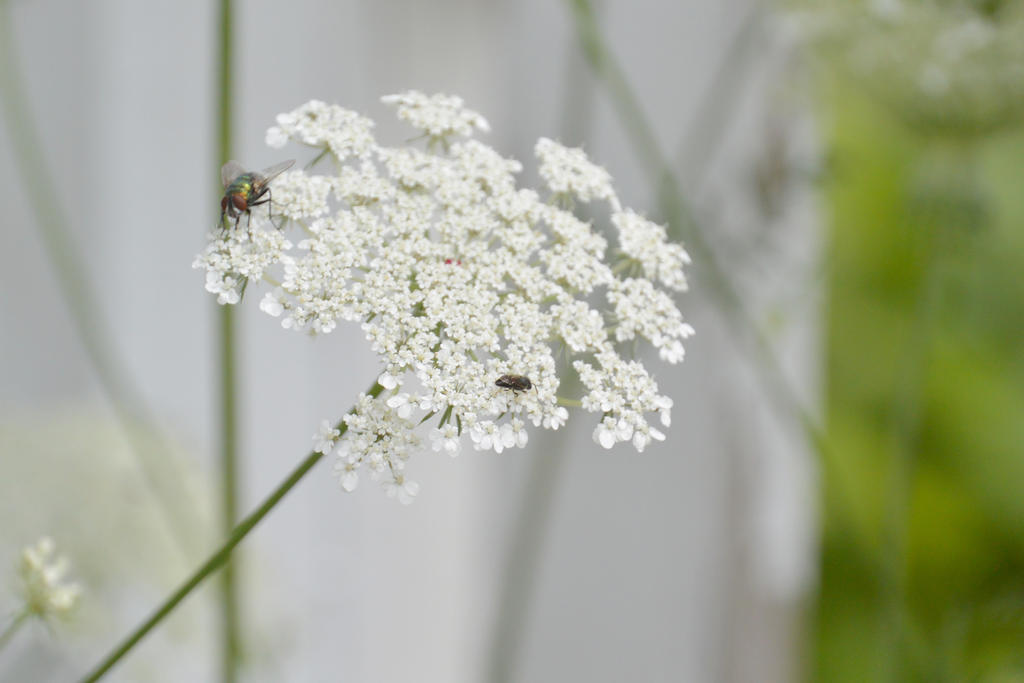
(241, 256)
(317, 124)
(379, 439)
(459, 278)
(437, 115)
(646, 243)
(567, 171)
(42, 581)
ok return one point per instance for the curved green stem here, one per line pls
(219, 558)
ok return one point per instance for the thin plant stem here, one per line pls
(227, 358)
(17, 622)
(703, 135)
(523, 553)
(682, 224)
(218, 558)
(677, 212)
(231, 637)
(523, 557)
(896, 630)
(130, 411)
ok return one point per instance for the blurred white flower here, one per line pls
(72, 473)
(458, 277)
(437, 115)
(43, 586)
(954, 67)
(402, 489)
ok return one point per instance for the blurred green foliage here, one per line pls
(923, 546)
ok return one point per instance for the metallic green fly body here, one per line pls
(245, 189)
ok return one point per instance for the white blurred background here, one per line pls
(688, 562)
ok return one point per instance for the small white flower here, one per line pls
(446, 439)
(568, 171)
(558, 417)
(344, 132)
(405, 490)
(276, 138)
(324, 440)
(271, 303)
(43, 587)
(604, 433)
(485, 436)
(437, 115)
(402, 404)
(664, 406)
(298, 196)
(347, 473)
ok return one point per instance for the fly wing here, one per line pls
(271, 172)
(230, 171)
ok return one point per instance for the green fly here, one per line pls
(244, 189)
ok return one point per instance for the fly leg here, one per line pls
(270, 208)
(226, 213)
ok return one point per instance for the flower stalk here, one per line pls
(227, 355)
(15, 624)
(216, 560)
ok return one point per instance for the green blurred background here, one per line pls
(922, 557)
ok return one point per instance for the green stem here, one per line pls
(898, 637)
(682, 224)
(227, 353)
(12, 628)
(525, 550)
(622, 266)
(605, 67)
(703, 136)
(231, 652)
(547, 464)
(217, 559)
(153, 456)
